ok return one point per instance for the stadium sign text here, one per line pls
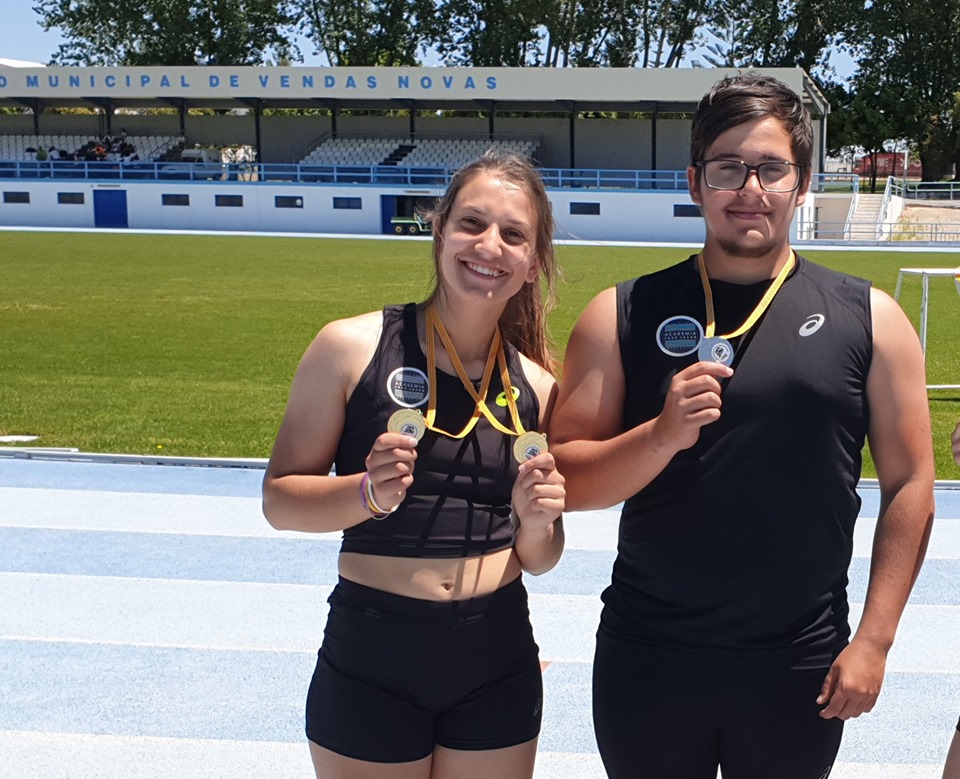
(245, 82)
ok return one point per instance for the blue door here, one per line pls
(388, 210)
(110, 208)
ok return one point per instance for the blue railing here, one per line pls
(930, 190)
(385, 175)
(835, 183)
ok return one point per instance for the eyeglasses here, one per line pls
(731, 175)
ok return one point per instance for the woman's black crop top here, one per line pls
(459, 502)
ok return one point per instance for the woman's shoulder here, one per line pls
(350, 332)
(344, 346)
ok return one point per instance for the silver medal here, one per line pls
(716, 349)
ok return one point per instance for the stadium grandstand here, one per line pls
(213, 148)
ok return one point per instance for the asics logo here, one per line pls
(814, 322)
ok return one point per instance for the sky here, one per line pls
(24, 38)
(27, 40)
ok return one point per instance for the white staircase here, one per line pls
(863, 222)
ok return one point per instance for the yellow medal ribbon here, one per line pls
(757, 312)
(435, 328)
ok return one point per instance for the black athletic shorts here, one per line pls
(396, 676)
(659, 713)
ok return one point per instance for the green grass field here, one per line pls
(186, 345)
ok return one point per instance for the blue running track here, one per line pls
(153, 625)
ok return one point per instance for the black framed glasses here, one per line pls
(731, 175)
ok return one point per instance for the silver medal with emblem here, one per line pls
(716, 349)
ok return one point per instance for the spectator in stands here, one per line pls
(725, 401)
(53, 153)
(428, 666)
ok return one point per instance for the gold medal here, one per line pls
(528, 446)
(407, 421)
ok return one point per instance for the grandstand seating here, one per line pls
(427, 153)
(14, 147)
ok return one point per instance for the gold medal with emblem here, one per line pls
(407, 421)
(528, 446)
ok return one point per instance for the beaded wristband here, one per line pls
(369, 503)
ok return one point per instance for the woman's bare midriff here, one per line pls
(432, 578)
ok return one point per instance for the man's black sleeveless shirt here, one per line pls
(459, 503)
(741, 545)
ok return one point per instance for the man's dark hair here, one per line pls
(736, 100)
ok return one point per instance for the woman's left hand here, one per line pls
(539, 494)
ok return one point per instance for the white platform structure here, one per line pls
(925, 275)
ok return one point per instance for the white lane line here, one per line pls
(89, 756)
(93, 756)
(155, 612)
(238, 517)
(167, 645)
(944, 539)
(217, 614)
(249, 616)
(140, 512)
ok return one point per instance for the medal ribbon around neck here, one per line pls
(762, 306)
(435, 328)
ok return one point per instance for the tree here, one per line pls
(366, 33)
(908, 49)
(168, 32)
(621, 33)
(777, 33)
(865, 119)
(490, 33)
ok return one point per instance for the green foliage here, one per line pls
(772, 33)
(387, 33)
(168, 32)
(615, 33)
(908, 49)
(127, 343)
(489, 33)
(864, 119)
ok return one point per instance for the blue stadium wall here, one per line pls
(586, 214)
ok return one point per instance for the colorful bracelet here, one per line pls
(368, 501)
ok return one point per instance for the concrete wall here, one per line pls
(627, 216)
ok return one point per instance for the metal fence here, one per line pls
(883, 231)
(389, 175)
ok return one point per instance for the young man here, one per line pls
(724, 638)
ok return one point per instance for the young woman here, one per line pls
(428, 667)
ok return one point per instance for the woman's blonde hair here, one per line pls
(523, 322)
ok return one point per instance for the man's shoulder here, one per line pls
(655, 278)
(828, 276)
